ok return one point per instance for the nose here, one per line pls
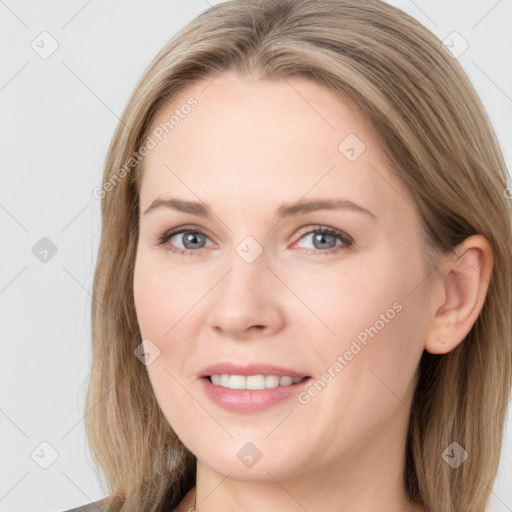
(246, 301)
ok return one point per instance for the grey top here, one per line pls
(88, 507)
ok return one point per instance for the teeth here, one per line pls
(285, 381)
(253, 381)
(237, 382)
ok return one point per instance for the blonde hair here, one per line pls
(431, 124)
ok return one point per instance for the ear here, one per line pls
(460, 295)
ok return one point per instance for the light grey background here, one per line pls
(58, 115)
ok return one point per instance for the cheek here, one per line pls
(166, 318)
(154, 307)
(162, 296)
(373, 321)
(366, 372)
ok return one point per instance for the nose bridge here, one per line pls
(243, 299)
(248, 267)
(247, 278)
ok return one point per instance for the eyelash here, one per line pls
(162, 239)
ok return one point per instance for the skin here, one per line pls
(249, 146)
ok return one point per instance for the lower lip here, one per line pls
(248, 400)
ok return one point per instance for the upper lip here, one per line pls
(249, 369)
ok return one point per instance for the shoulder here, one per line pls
(94, 506)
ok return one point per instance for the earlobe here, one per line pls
(464, 283)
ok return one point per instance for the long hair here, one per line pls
(425, 113)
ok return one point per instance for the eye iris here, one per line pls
(320, 237)
(192, 238)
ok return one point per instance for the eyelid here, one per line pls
(162, 238)
(322, 228)
(347, 241)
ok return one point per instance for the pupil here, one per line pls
(191, 237)
(321, 237)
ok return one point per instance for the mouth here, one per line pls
(250, 388)
(240, 399)
(253, 382)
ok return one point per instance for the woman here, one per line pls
(303, 288)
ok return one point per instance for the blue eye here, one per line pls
(191, 239)
(324, 239)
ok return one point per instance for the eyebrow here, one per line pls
(285, 210)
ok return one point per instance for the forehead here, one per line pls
(248, 138)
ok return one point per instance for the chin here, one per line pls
(251, 461)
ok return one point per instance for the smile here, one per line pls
(253, 382)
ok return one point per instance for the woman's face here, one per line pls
(264, 293)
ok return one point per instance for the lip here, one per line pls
(249, 400)
(250, 369)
